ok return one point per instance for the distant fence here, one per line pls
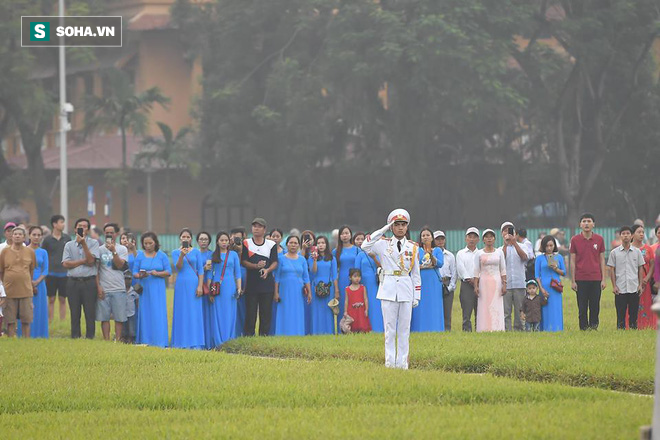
(455, 238)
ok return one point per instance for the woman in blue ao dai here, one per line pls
(429, 315)
(151, 268)
(203, 241)
(39, 326)
(322, 268)
(226, 270)
(550, 266)
(291, 277)
(187, 319)
(345, 255)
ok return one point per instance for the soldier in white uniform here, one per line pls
(400, 286)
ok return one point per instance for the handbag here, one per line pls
(558, 286)
(215, 286)
(322, 290)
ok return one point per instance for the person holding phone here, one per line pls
(236, 237)
(79, 258)
(152, 268)
(516, 254)
(259, 257)
(549, 268)
(188, 318)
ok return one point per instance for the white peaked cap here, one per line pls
(398, 215)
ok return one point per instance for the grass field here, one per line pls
(460, 386)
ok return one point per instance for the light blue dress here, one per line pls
(344, 264)
(206, 303)
(368, 267)
(322, 320)
(429, 315)
(223, 327)
(188, 318)
(152, 313)
(39, 326)
(552, 314)
(290, 311)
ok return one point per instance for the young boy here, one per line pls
(626, 265)
(531, 308)
(128, 330)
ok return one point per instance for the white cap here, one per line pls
(437, 234)
(398, 215)
(505, 224)
(472, 230)
(486, 231)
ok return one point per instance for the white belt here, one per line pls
(396, 273)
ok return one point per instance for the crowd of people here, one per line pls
(233, 285)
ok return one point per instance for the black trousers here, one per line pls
(447, 303)
(469, 303)
(626, 302)
(263, 302)
(82, 295)
(588, 299)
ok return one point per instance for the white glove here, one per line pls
(415, 303)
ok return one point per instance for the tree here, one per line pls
(167, 152)
(120, 107)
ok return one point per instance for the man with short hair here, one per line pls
(56, 279)
(401, 288)
(465, 259)
(110, 283)
(626, 264)
(79, 258)
(516, 254)
(587, 269)
(17, 264)
(447, 275)
(259, 257)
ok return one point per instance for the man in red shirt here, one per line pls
(587, 270)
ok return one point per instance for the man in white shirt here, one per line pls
(465, 272)
(401, 285)
(516, 254)
(448, 275)
(9, 229)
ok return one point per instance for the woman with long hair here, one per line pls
(203, 240)
(226, 274)
(549, 268)
(187, 319)
(490, 284)
(291, 278)
(345, 254)
(39, 326)
(429, 316)
(323, 277)
(151, 268)
(276, 235)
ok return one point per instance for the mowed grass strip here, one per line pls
(560, 419)
(607, 359)
(76, 389)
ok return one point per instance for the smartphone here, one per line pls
(142, 273)
(80, 231)
(185, 244)
(237, 241)
(108, 239)
(510, 230)
(307, 237)
(314, 249)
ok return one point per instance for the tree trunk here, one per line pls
(124, 182)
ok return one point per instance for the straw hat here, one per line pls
(334, 305)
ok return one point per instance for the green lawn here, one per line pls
(528, 385)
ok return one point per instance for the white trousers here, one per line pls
(396, 319)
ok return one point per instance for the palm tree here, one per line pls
(167, 152)
(120, 107)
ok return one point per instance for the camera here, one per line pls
(237, 241)
(185, 244)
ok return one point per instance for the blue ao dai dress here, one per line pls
(291, 274)
(223, 326)
(345, 263)
(152, 312)
(552, 314)
(429, 315)
(187, 319)
(322, 320)
(39, 326)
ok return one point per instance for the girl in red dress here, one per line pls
(356, 304)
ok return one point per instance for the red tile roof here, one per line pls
(100, 153)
